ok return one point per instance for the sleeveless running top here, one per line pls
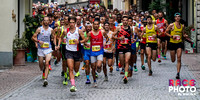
(161, 25)
(70, 44)
(149, 35)
(96, 46)
(45, 36)
(65, 37)
(126, 43)
(109, 44)
(88, 42)
(178, 33)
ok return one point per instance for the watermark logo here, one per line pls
(183, 87)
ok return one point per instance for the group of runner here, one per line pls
(99, 38)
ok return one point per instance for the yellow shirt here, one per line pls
(178, 33)
(153, 18)
(58, 23)
(149, 35)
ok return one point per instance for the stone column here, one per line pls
(198, 24)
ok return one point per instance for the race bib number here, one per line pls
(45, 45)
(108, 46)
(177, 37)
(125, 41)
(162, 30)
(151, 38)
(96, 48)
(71, 42)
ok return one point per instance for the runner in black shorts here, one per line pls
(108, 50)
(64, 30)
(151, 41)
(123, 38)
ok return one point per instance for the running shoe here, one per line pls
(45, 83)
(177, 76)
(125, 80)
(130, 68)
(83, 68)
(95, 84)
(143, 67)
(150, 72)
(122, 72)
(73, 89)
(96, 75)
(65, 82)
(165, 57)
(159, 60)
(111, 69)
(117, 68)
(50, 68)
(135, 69)
(55, 62)
(88, 82)
(106, 78)
(77, 74)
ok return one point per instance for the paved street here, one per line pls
(139, 86)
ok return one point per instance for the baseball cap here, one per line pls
(177, 14)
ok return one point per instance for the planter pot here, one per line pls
(19, 59)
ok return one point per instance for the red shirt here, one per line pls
(162, 26)
(143, 38)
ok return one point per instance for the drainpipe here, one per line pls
(18, 18)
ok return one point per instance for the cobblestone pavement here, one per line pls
(193, 63)
(11, 79)
(139, 86)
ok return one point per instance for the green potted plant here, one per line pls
(19, 47)
(32, 23)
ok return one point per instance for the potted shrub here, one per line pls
(32, 23)
(19, 47)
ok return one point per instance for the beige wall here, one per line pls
(105, 3)
(127, 5)
(9, 27)
(118, 4)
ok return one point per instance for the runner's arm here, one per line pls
(34, 37)
(166, 23)
(158, 30)
(60, 38)
(143, 31)
(83, 29)
(169, 29)
(82, 36)
(55, 36)
(133, 36)
(105, 35)
(87, 38)
(136, 31)
(116, 33)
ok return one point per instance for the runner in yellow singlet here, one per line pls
(176, 41)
